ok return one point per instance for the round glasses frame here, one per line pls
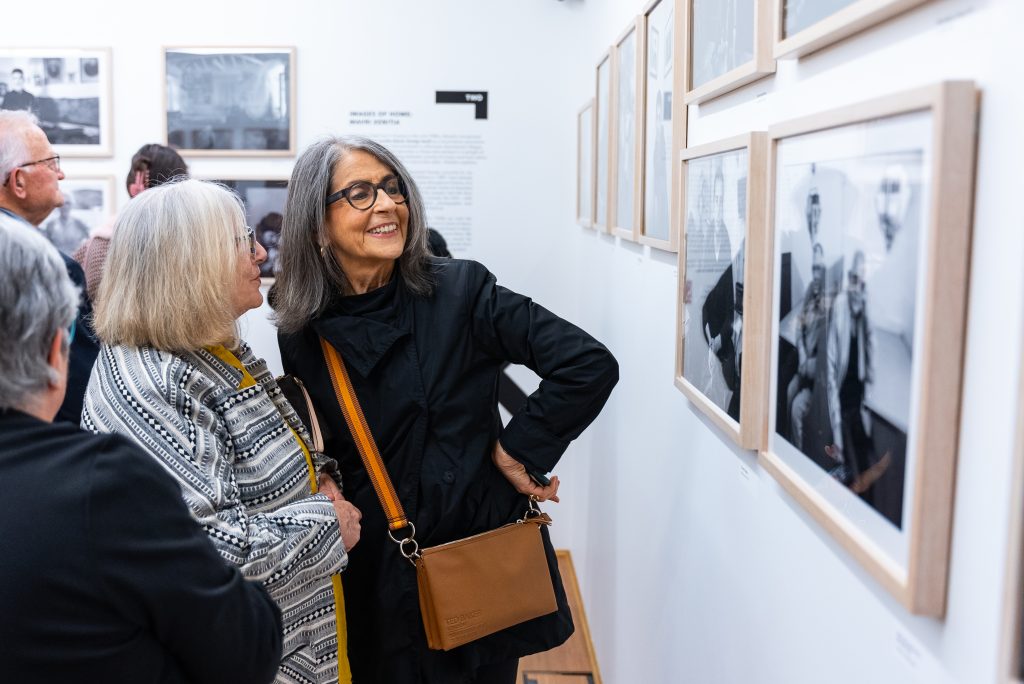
(393, 187)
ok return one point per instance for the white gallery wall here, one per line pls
(694, 564)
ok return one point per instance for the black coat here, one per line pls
(105, 577)
(425, 370)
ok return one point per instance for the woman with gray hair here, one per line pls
(105, 576)
(424, 341)
(174, 376)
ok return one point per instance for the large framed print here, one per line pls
(230, 101)
(804, 26)
(730, 45)
(603, 145)
(264, 200)
(89, 205)
(624, 208)
(871, 223)
(721, 340)
(69, 91)
(585, 165)
(664, 123)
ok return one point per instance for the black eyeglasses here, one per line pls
(250, 235)
(52, 162)
(362, 194)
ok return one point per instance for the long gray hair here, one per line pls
(310, 280)
(37, 299)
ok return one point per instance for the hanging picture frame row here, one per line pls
(218, 101)
(822, 302)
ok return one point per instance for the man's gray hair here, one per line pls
(37, 299)
(310, 279)
(13, 149)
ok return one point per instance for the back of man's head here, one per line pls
(15, 127)
(37, 300)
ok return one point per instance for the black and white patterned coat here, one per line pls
(243, 476)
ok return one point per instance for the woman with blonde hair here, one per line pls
(173, 376)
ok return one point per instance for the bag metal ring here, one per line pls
(412, 533)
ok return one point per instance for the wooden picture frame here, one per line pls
(664, 116)
(253, 113)
(603, 78)
(70, 92)
(263, 198)
(721, 73)
(815, 33)
(877, 441)
(586, 163)
(90, 203)
(626, 133)
(722, 226)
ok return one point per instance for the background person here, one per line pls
(424, 340)
(98, 596)
(17, 98)
(30, 171)
(174, 377)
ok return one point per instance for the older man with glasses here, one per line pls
(30, 170)
(105, 575)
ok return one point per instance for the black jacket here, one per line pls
(425, 370)
(84, 350)
(105, 577)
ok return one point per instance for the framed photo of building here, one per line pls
(730, 45)
(89, 205)
(69, 91)
(627, 130)
(871, 221)
(230, 101)
(585, 141)
(603, 138)
(803, 26)
(721, 340)
(264, 201)
(664, 123)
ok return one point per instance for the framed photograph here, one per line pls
(89, 204)
(871, 223)
(803, 26)
(69, 91)
(603, 149)
(585, 142)
(264, 201)
(233, 101)
(721, 340)
(664, 123)
(627, 129)
(730, 45)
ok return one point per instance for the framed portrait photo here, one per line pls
(664, 123)
(803, 26)
(230, 101)
(585, 141)
(264, 201)
(69, 91)
(89, 204)
(627, 129)
(871, 221)
(729, 45)
(603, 143)
(721, 339)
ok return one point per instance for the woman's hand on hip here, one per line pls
(515, 473)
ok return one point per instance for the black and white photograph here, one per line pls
(88, 208)
(603, 126)
(658, 122)
(715, 268)
(68, 90)
(625, 133)
(722, 38)
(798, 15)
(264, 202)
(585, 165)
(850, 206)
(230, 101)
